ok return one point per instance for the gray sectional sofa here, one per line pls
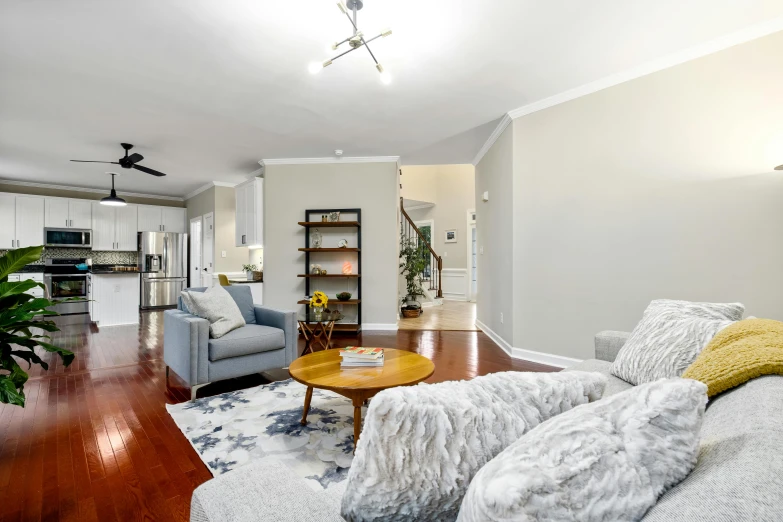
(738, 477)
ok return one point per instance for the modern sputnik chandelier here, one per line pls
(355, 41)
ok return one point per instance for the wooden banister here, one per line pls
(437, 258)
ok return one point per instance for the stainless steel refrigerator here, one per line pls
(163, 262)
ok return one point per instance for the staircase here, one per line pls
(430, 276)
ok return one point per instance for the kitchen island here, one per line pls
(256, 289)
(114, 297)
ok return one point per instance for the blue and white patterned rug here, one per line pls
(236, 428)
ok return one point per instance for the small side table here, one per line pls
(317, 331)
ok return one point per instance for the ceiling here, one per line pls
(207, 88)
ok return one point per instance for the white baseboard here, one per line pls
(495, 337)
(549, 359)
(454, 297)
(379, 327)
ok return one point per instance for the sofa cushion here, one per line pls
(669, 337)
(421, 445)
(609, 460)
(613, 384)
(244, 300)
(738, 474)
(251, 338)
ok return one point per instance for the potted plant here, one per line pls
(413, 261)
(23, 326)
(249, 269)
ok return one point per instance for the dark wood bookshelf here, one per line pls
(333, 300)
(309, 251)
(329, 250)
(329, 275)
(330, 224)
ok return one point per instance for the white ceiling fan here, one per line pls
(355, 41)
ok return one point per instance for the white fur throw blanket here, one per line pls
(422, 445)
(605, 461)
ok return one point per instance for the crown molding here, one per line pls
(207, 186)
(504, 122)
(85, 189)
(312, 161)
(746, 35)
(419, 207)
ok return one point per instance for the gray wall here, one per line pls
(200, 204)
(494, 228)
(290, 189)
(661, 187)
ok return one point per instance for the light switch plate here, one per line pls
(222, 253)
(485, 196)
(481, 250)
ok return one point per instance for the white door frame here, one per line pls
(192, 273)
(208, 254)
(469, 240)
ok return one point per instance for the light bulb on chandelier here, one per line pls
(315, 67)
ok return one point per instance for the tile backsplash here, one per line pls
(98, 257)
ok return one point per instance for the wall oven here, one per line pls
(68, 237)
(64, 281)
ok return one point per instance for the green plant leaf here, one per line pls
(9, 393)
(14, 260)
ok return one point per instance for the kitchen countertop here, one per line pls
(115, 272)
(112, 269)
(30, 269)
(243, 282)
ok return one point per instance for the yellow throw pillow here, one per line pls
(740, 352)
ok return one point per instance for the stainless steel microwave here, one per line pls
(68, 237)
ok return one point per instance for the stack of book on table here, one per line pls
(356, 356)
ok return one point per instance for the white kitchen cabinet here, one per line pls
(174, 219)
(68, 213)
(162, 219)
(35, 276)
(80, 213)
(127, 228)
(7, 221)
(29, 221)
(249, 224)
(150, 218)
(114, 228)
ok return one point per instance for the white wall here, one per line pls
(657, 188)
(291, 189)
(494, 226)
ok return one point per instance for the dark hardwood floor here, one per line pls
(95, 441)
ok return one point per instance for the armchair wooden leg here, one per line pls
(194, 389)
(167, 376)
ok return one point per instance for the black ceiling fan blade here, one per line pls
(135, 158)
(148, 170)
(91, 161)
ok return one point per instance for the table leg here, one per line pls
(329, 335)
(308, 398)
(308, 343)
(357, 420)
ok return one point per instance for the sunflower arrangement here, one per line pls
(319, 299)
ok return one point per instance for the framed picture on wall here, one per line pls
(451, 236)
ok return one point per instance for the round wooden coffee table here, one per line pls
(322, 370)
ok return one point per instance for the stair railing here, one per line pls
(432, 273)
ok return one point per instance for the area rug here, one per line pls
(237, 428)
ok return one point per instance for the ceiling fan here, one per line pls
(127, 162)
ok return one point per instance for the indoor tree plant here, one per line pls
(23, 326)
(413, 261)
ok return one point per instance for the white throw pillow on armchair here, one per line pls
(216, 306)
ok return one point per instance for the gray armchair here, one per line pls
(267, 341)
